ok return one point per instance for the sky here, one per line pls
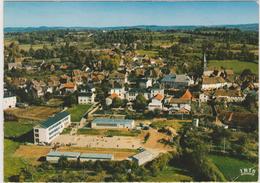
(107, 14)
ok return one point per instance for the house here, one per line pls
(70, 87)
(209, 83)
(119, 91)
(133, 92)
(229, 95)
(156, 89)
(87, 97)
(106, 123)
(222, 95)
(145, 83)
(54, 156)
(86, 94)
(38, 87)
(20, 82)
(9, 100)
(15, 65)
(38, 91)
(143, 157)
(65, 79)
(181, 105)
(94, 156)
(178, 105)
(51, 127)
(117, 77)
(176, 81)
(156, 103)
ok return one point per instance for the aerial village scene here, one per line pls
(130, 103)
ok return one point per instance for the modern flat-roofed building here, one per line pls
(94, 157)
(54, 156)
(51, 128)
(143, 157)
(104, 123)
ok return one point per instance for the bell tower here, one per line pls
(204, 62)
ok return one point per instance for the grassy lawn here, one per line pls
(12, 164)
(26, 47)
(237, 66)
(176, 124)
(171, 174)
(230, 167)
(66, 131)
(90, 131)
(16, 129)
(77, 111)
(122, 133)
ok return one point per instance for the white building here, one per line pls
(133, 92)
(143, 157)
(145, 83)
(51, 128)
(94, 157)
(210, 83)
(54, 156)
(155, 91)
(120, 92)
(105, 123)
(9, 101)
(156, 103)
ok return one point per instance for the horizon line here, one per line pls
(38, 26)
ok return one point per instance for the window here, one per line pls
(36, 135)
(36, 130)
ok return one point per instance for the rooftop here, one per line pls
(96, 156)
(175, 78)
(187, 95)
(109, 121)
(52, 120)
(65, 154)
(142, 155)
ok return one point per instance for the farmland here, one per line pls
(237, 66)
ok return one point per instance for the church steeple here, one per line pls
(205, 62)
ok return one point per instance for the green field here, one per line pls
(77, 111)
(230, 167)
(89, 131)
(171, 174)
(122, 133)
(237, 66)
(12, 164)
(16, 129)
(176, 124)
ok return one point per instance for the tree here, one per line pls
(117, 102)
(140, 102)
(63, 162)
(70, 100)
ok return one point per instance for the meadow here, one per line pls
(230, 167)
(236, 65)
(171, 174)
